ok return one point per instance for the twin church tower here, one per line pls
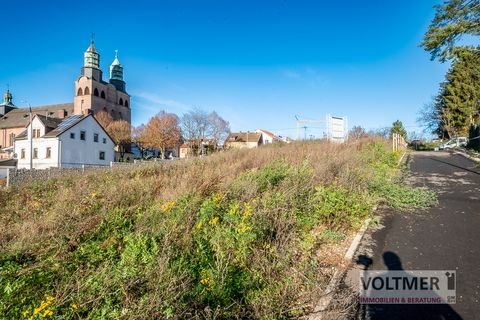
(93, 95)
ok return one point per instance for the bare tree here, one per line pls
(219, 128)
(163, 132)
(195, 127)
(121, 134)
(357, 132)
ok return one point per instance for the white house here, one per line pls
(64, 143)
(268, 137)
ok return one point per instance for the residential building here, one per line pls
(268, 137)
(197, 147)
(16, 120)
(241, 140)
(75, 141)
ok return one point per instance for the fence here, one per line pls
(398, 142)
(11, 176)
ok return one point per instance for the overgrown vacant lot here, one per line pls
(240, 234)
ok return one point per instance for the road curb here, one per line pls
(466, 155)
(329, 292)
(327, 297)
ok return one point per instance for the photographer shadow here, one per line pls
(403, 311)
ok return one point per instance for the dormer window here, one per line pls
(36, 133)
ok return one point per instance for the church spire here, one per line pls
(91, 63)
(116, 74)
(91, 58)
(116, 69)
(7, 99)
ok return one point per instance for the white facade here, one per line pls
(268, 137)
(67, 149)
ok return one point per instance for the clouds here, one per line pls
(308, 76)
(147, 104)
(291, 74)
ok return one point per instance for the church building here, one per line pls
(91, 95)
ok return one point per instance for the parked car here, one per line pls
(454, 143)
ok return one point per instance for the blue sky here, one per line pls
(257, 63)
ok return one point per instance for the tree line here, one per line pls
(455, 110)
(197, 128)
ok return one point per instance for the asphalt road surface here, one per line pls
(444, 237)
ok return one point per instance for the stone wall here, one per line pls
(20, 176)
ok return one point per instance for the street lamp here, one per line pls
(31, 134)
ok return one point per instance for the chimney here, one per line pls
(61, 114)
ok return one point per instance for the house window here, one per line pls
(49, 153)
(22, 154)
(126, 103)
(12, 138)
(35, 153)
(95, 137)
(82, 135)
(104, 140)
(95, 92)
(36, 133)
(102, 95)
(72, 135)
(101, 156)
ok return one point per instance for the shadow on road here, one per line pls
(402, 311)
(456, 166)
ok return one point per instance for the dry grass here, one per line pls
(71, 237)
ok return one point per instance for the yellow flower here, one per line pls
(199, 225)
(167, 206)
(217, 199)
(25, 313)
(242, 228)
(248, 208)
(214, 221)
(74, 306)
(206, 281)
(47, 313)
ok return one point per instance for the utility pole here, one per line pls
(31, 133)
(31, 136)
(304, 121)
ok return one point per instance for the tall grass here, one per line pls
(240, 234)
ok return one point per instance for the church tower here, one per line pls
(91, 63)
(7, 105)
(92, 94)
(116, 74)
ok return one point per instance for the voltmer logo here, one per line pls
(408, 287)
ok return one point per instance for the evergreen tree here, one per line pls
(458, 101)
(397, 127)
(453, 19)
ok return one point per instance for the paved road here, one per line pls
(445, 237)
